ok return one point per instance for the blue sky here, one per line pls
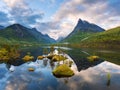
(59, 17)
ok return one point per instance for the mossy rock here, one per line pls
(58, 58)
(40, 57)
(93, 58)
(31, 69)
(68, 63)
(27, 58)
(50, 56)
(63, 71)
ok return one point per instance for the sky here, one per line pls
(57, 18)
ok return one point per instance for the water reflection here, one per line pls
(109, 55)
(59, 47)
(45, 62)
(80, 59)
(92, 78)
(52, 64)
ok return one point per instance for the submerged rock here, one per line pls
(63, 71)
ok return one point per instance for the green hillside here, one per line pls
(106, 39)
(82, 31)
(78, 37)
(18, 34)
(5, 41)
(12, 34)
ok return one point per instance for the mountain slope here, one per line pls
(60, 39)
(82, 30)
(19, 33)
(79, 36)
(42, 38)
(109, 38)
(1, 27)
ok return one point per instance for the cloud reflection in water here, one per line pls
(93, 78)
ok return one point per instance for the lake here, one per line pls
(88, 76)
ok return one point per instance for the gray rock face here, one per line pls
(84, 26)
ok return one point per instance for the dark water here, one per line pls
(88, 76)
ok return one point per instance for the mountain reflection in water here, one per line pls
(91, 78)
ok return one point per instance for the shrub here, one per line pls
(8, 52)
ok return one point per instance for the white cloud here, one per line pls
(11, 3)
(104, 13)
(94, 11)
(20, 12)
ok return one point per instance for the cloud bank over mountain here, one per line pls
(59, 17)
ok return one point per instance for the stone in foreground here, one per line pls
(58, 58)
(31, 69)
(63, 71)
(28, 58)
(40, 57)
(93, 58)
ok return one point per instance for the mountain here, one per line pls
(107, 39)
(19, 33)
(82, 30)
(60, 39)
(85, 26)
(1, 27)
(42, 38)
(49, 39)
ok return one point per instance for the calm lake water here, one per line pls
(88, 76)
